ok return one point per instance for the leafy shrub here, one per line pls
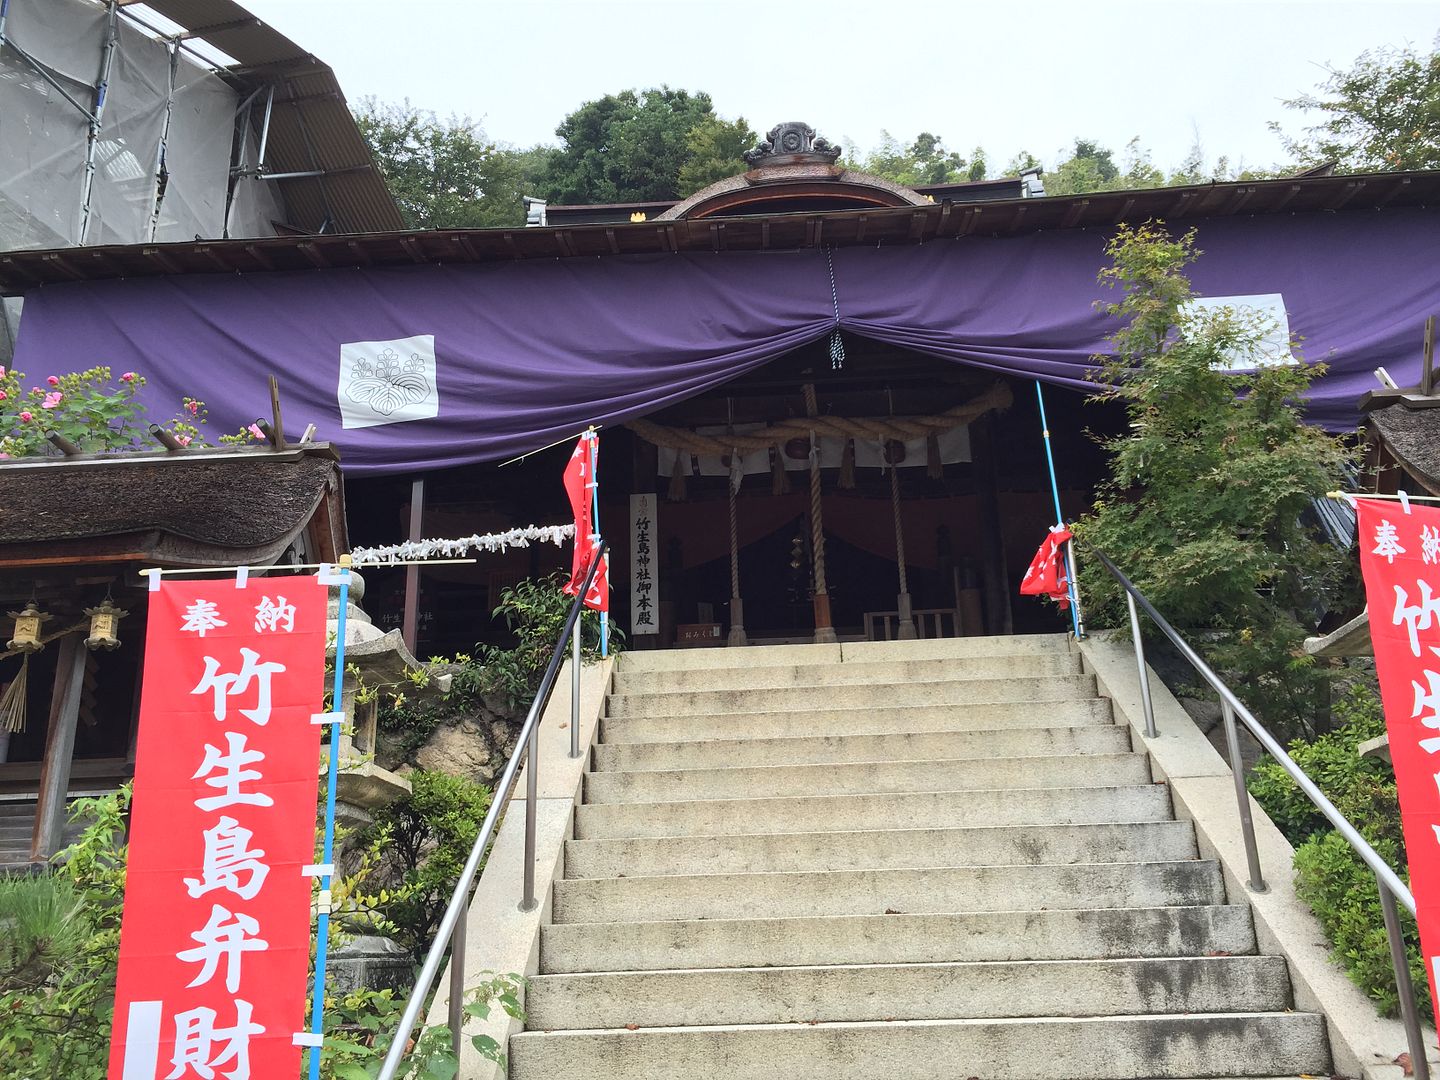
(429, 834)
(1329, 876)
(535, 610)
(365, 1022)
(1207, 506)
(41, 928)
(55, 1009)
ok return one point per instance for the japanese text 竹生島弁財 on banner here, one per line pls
(215, 939)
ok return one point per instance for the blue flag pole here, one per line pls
(326, 869)
(1059, 517)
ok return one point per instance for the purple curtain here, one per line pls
(527, 353)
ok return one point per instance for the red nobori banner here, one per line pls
(215, 938)
(1400, 557)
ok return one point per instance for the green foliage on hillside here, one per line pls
(1329, 876)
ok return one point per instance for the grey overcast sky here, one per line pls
(1003, 75)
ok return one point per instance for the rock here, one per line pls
(461, 748)
(371, 961)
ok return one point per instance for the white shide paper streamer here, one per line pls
(460, 547)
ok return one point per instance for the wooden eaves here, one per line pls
(21, 271)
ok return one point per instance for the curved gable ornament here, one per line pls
(793, 165)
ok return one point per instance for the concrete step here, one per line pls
(767, 853)
(840, 813)
(907, 746)
(835, 719)
(954, 648)
(941, 692)
(876, 892)
(782, 655)
(845, 674)
(786, 995)
(867, 777)
(1100, 1048)
(1078, 934)
(897, 746)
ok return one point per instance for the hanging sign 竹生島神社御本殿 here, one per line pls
(215, 938)
(1400, 558)
(644, 582)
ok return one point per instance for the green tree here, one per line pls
(1090, 167)
(716, 150)
(1207, 505)
(633, 145)
(1381, 113)
(924, 161)
(445, 174)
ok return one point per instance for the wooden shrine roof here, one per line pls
(23, 270)
(190, 507)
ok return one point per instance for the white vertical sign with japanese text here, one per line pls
(644, 565)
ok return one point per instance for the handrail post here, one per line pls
(1145, 702)
(1404, 988)
(575, 692)
(457, 985)
(1242, 799)
(1075, 590)
(532, 769)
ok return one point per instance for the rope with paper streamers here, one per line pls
(457, 548)
(903, 428)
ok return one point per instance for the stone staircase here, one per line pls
(926, 860)
(17, 827)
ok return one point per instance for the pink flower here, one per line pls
(129, 376)
(194, 407)
(183, 440)
(255, 432)
(53, 381)
(26, 417)
(4, 457)
(52, 400)
(2, 371)
(36, 391)
(3, 395)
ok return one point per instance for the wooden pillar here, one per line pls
(995, 579)
(59, 748)
(410, 625)
(903, 602)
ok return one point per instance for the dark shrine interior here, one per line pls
(950, 541)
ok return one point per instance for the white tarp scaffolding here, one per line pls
(159, 163)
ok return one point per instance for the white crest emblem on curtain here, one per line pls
(388, 382)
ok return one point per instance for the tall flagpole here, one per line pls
(1071, 585)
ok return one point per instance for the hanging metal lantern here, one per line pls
(104, 625)
(27, 629)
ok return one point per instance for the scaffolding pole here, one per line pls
(102, 90)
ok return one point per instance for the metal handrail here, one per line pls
(1388, 883)
(451, 931)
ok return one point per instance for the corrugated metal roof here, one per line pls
(311, 128)
(22, 270)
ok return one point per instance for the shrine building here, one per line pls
(817, 392)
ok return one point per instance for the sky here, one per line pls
(1005, 75)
